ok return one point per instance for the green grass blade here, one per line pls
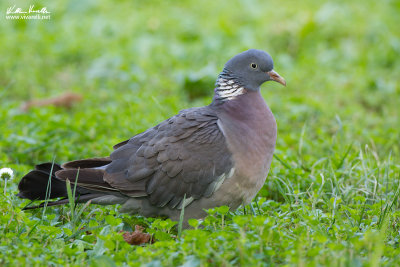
(181, 217)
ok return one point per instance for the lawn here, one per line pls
(331, 197)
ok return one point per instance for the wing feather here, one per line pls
(186, 155)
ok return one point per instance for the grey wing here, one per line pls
(184, 155)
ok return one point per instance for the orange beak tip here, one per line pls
(276, 77)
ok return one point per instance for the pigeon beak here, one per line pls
(276, 77)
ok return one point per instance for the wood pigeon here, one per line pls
(201, 158)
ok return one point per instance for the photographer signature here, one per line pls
(14, 10)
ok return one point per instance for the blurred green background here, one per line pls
(136, 63)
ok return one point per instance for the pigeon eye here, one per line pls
(253, 65)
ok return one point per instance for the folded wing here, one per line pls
(184, 155)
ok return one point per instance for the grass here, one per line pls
(331, 198)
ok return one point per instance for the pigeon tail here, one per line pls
(41, 183)
(48, 181)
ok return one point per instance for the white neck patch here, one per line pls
(227, 89)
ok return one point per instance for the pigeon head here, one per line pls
(251, 69)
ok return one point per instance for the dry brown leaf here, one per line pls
(137, 237)
(65, 100)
